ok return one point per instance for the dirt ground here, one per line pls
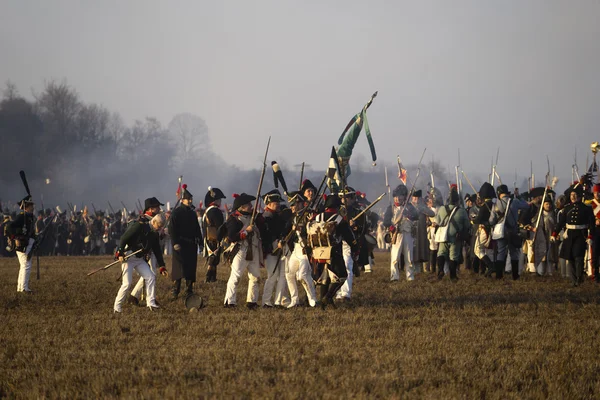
(477, 338)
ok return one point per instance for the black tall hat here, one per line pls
(272, 196)
(294, 197)
(536, 192)
(241, 199)
(186, 195)
(99, 213)
(502, 189)
(418, 193)
(400, 190)
(307, 184)
(213, 195)
(333, 201)
(151, 202)
(487, 191)
(467, 197)
(26, 201)
(577, 188)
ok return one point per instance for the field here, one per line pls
(478, 338)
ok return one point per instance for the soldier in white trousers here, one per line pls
(298, 266)
(244, 252)
(152, 209)
(400, 218)
(142, 234)
(21, 234)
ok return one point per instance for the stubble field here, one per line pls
(478, 338)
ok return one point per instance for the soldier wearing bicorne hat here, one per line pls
(212, 220)
(21, 232)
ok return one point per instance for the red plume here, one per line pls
(184, 186)
(235, 195)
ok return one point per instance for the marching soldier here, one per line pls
(185, 237)
(506, 212)
(456, 219)
(298, 265)
(273, 233)
(21, 233)
(326, 234)
(399, 219)
(348, 198)
(212, 220)
(579, 222)
(244, 250)
(141, 234)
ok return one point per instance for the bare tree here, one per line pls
(58, 106)
(190, 133)
(10, 91)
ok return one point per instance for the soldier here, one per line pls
(308, 190)
(348, 200)
(22, 232)
(273, 233)
(595, 204)
(244, 251)
(457, 221)
(185, 236)
(401, 237)
(141, 234)
(211, 222)
(151, 209)
(298, 265)
(579, 222)
(505, 213)
(421, 245)
(326, 233)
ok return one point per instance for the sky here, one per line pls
(519, 75)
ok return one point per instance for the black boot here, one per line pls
(475, 265)
(189, 290)
(452, 266)
(514, 266)
(176, 288)
(441, 262)
(500, 269)
(487, 266)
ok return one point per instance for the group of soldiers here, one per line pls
(321, 241)
(495, 231)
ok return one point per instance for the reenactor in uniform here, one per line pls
(151, 209)
(506, 212)
(579, 222)
(298, 264)
(326, 233)
(273, 233)
(212, 220)
(244, 250)
(482, 246)
(401, 233)
(595, 204)
(420, 233)
(22, 233)
(141, 234)
(348, 200)
(185, 236)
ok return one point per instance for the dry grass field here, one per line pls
(478, 338)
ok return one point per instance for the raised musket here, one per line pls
(249, 252)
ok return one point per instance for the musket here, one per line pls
(94, 207)
(111, 208)
(387, 185)
(515, 181)
(301, 175)
(179, 197)
(139, 204)
(260, 183)
(316, 200)
(547, 175)
(360, 214)
(114, 262)
(492, 176)
(532, 176)
(472, 187)
(249, 252)
(537, 223)
(42, 201)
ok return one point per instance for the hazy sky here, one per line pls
(476, 75)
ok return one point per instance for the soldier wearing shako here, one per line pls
(579, 223)
(185, 236)
(245, 251)
(141, 234)
(325, 236)
(399, 218)
(298, 265)
(22, 236)
(212, 220)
